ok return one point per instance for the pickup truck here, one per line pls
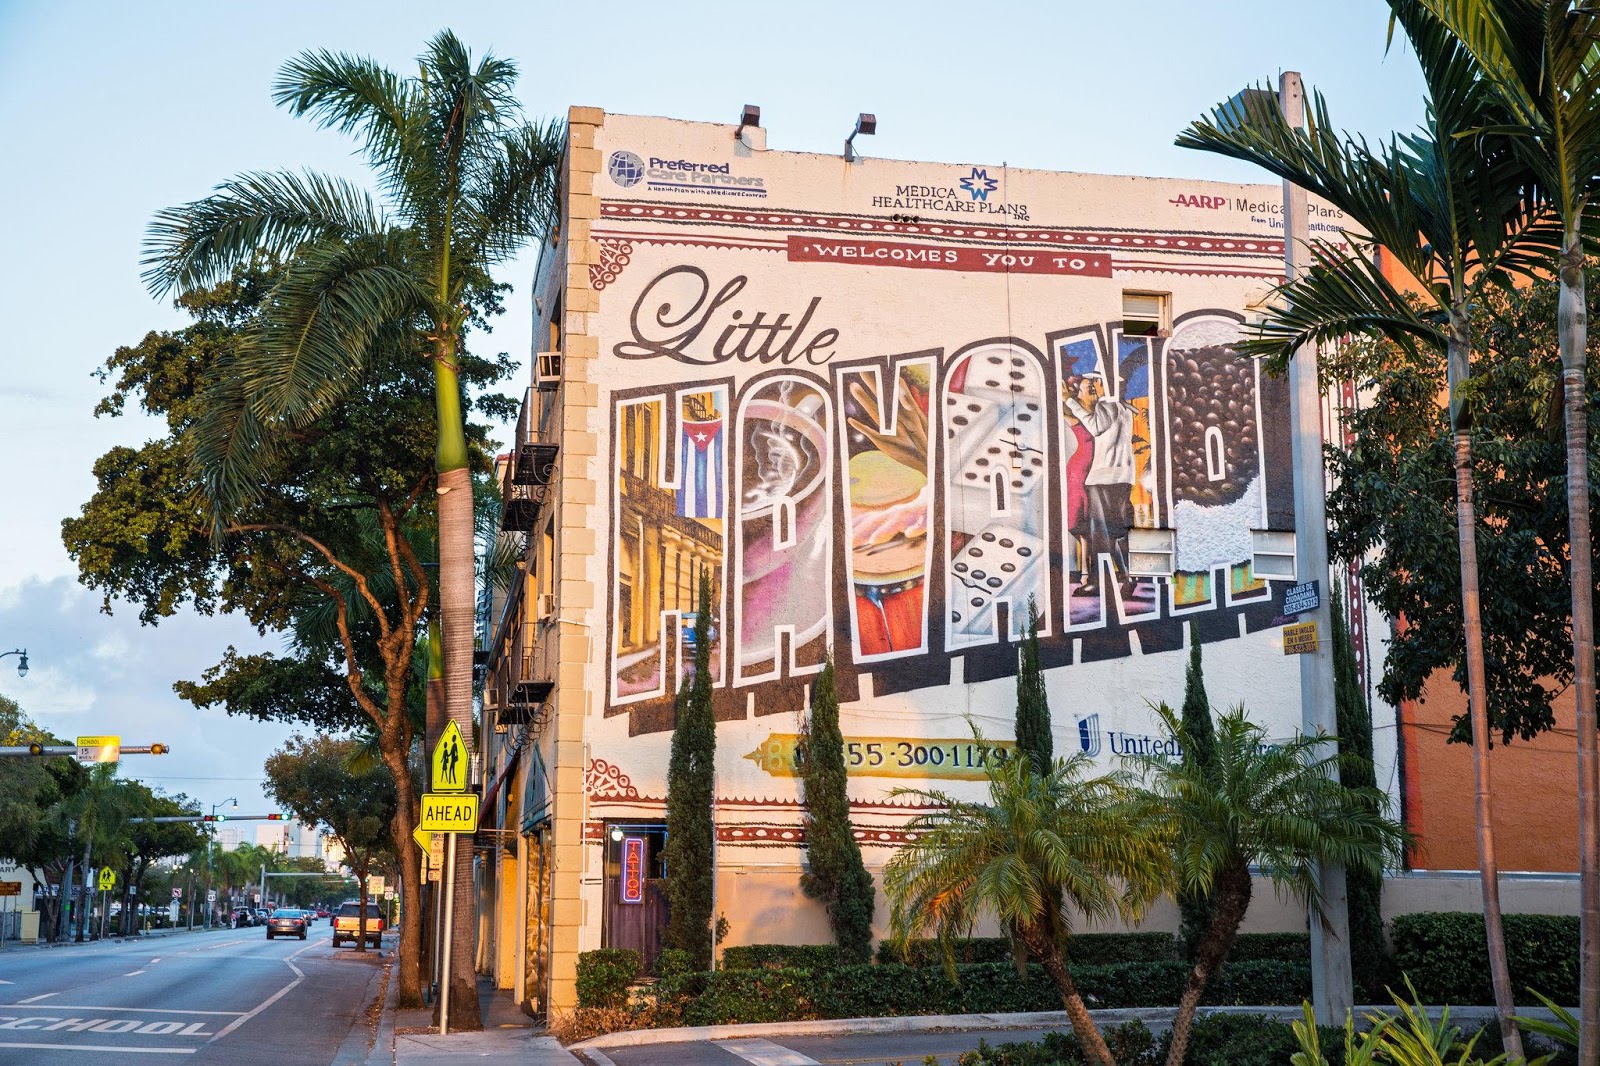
(347, 924)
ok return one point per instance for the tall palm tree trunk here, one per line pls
(1459, 367)
(457, 603)
(1231, 896)
(1572, 322)
(1041, 943)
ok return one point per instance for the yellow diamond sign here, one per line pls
(446, 812)
(422, 839)
(449, 763)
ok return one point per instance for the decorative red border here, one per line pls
(775, 835)
(1198, 241)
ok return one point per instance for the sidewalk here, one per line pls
(408, 1037)
(153, 934)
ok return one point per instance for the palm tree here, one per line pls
(1275, 806)
(1457, 213)
(1040, 842)
(1539, 59)
(467, 183)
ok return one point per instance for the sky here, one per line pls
(112, 111)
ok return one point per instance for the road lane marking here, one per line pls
(35, 999)
(133, 973)
(123, 1049)
(143, 1010)
(269, 1001)
(765, 1053)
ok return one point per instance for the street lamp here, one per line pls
(22, 661)
(210, 840)
(1331, 991)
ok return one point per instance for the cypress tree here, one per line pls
(1369, 960)
(1033, 706)
(836, 874)
(1195, 910)
(688, 852)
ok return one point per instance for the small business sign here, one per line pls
(98, 749)
(10, 888)
(1302, 598)
(1300, 639)
(633, 869)
(450, 812)
(449, 762)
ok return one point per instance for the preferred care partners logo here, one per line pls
(676, 176)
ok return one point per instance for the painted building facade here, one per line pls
(880, 406)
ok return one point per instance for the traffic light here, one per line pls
(35, 749)
(213, 817)
(275, 817)
(159, 749)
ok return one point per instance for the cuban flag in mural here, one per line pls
(700, 466)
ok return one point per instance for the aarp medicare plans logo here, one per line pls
(626, 169)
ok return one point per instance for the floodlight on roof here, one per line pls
(866, 125)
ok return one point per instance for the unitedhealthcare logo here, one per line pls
(1089, 735)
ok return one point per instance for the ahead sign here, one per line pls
(448, 813)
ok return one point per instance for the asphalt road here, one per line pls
(226, 996)
(860, 1049)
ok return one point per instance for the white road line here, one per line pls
(35, 999)
(121, 1049)
(766, 1053)
(143, 1010)
(270, 1000)
(133, 973)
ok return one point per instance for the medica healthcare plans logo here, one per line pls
(627, 169)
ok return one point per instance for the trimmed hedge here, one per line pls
(1447, 958)
(894, 989)
(781, 956)
(604, 976)
(1101, 949)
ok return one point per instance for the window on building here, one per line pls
(1146, 314)
(1151, 552)
(1272, 555)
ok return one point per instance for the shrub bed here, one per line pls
(780, 956)
(1446, 956)
(894, 989)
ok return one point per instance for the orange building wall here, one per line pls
(1534, 789)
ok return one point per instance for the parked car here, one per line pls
(347, 923)
(287, 922)
(262, 915)
(243, 918)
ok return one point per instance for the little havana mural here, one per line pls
(904, 509)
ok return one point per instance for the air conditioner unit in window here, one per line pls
(545, 607)
(547, 371)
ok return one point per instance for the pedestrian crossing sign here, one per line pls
(450, 761)
(449, 813)
(108, 879)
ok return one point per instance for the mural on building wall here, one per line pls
(905, 509)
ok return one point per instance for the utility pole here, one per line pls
(1331, 981)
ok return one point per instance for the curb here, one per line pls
(1155, 1017)
(383, 1043)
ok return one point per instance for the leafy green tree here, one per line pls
(1277, 807)
(1455, 207)
(467, 183)
(329, 546)
(690, 850)
(1196, 909)
(1369, 960)
(1034, 736)
(150, 842)
(836, 876)
(1041, 842)
(324, 781)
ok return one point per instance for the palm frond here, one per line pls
(1343, 293)
(253, 216)
(317, 329)
(512, 196)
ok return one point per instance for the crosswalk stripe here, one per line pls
(766, 1053)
